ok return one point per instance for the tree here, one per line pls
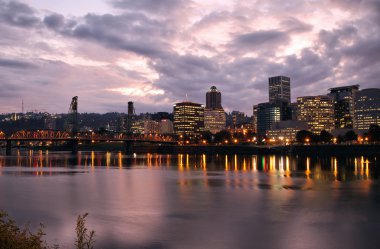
(207, 135)
(374, 133)
(350, 136)
(302, 136)
(221, 136)
(325, 136)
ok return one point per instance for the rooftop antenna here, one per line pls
(186, 99)
(22, 106)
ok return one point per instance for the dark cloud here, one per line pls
(152, 6)
(261, 37)
(294, 25)
(263, 42)
(17, 14)
(131, 32)
(54, 21)
(16, 64)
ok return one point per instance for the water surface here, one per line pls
(196, 201)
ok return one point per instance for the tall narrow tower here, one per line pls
(130, 118)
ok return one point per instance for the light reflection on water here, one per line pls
(317, 168)
(196, 201)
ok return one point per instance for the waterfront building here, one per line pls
(188, 118)
(166, 126)
(286, 131)
(137, 127)
(266, 114)
(343, 98)
(367, 108)
(214, 115)
(317, 112)
(279, 89)
(151, 127)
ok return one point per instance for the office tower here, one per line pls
(343, 98)
(279, 89)
(188, 118)
(266, 114)
(367, 108)
(317, 112)
(213, 99)
(214, 116)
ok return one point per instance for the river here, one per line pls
(186, 201)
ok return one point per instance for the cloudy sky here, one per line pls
(155, 52)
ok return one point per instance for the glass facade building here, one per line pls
(279, 89)
(367, 108)
(343, 98)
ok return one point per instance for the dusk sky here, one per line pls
(155, 52)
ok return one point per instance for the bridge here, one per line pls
(72, 136)
(81, 137)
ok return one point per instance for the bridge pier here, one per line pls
(128, 147)
(74, 146)
(8, 147)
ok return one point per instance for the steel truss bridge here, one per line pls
(93, 137)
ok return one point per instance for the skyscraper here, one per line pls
(213, 99)
(367, 108)
(188, 118)
(317, 112)
(343, 98)
(279, 89)
(266, 114)
(215, 117)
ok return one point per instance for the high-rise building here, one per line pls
(215, 120)
(214, 116)
(317, 112)
(279, 89)
(213, 99)
(367, 108)
(188, 118)
(266, 114)
(343, 98)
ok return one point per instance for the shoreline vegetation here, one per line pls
(13, 236)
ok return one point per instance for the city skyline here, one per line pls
(154, 53)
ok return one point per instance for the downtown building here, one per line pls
(279, 89)
(266, 114)
(277, 109)
(188, 118)
(367, 109)
(343, 99)
(317, 112)
(214, 115)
